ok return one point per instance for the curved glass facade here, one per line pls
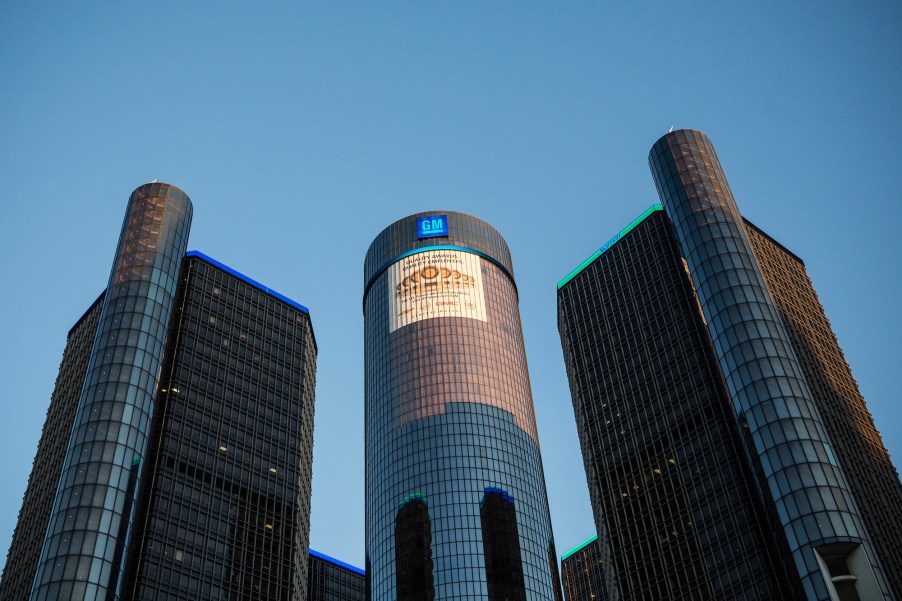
(90, 523)
(449, 415)
(766, 384)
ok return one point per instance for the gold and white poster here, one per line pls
(435, 283)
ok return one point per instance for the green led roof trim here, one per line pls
(581, 545)
(414, 497)
(609, 244)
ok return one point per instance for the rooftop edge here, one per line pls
(337, 562)
(580, 546)
(84, 315)
(247, 280)
(772, 239)
(609, 244)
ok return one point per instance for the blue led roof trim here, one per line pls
(332, 560)
(504, 494)
(244, 278)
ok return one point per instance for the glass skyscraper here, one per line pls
(771, 396)
(91, 518)
(583, 570)
(187, 472)
(28, 538)
(727, 449)
(669, 485)
(870, 474)
(226, 514)
(456, 506)
(332, 580)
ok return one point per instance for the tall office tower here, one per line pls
(25, 550)
(333, 580)
(859, 449)
(225, 511)
(456, 506)
(786, 433)
(217, 378)
(90, 522)
(759, 406)
(583, 570)
(668, 480)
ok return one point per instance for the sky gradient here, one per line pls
(300, 132)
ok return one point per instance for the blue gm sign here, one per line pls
(433, 226)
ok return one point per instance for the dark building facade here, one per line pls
(456, 506)
(208, 482)
(25, 549)
(668, 481)
(711, 397)
(332, 580)
(225, 514)
(583, 570)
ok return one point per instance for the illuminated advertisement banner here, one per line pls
(435, 283)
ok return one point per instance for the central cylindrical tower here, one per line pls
(456, 506)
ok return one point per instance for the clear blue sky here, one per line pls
(301, 131)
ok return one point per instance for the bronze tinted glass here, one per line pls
(448, 414)
(859, 448)
(584, 574)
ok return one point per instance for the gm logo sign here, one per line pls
(433, 226)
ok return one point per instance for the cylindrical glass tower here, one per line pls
(90, 523)
(776, 412)
(456, 506)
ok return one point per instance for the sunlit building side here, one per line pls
(456, 506)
